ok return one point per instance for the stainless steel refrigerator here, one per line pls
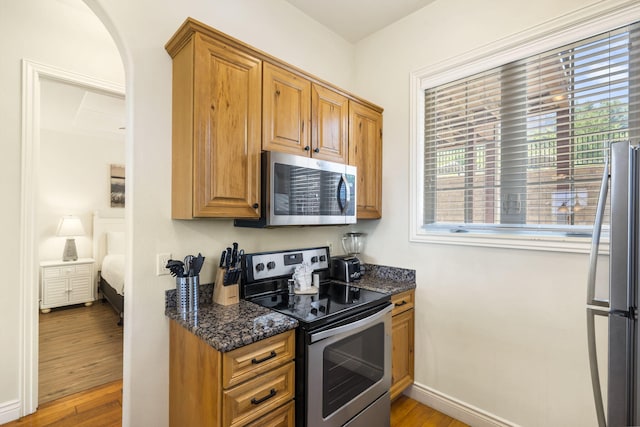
(622, 180)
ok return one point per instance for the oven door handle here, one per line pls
(351, 326)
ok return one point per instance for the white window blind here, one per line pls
(521, 147)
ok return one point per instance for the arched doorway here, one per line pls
(32, 74)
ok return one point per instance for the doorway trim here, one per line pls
(32, 73)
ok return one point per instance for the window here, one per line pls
(519, 148)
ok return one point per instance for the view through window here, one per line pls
(521, 147)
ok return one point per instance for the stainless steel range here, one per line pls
(343, 343)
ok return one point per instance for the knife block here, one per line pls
(225, 295)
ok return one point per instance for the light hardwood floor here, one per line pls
(102, 407)
(97, 407)
(80, 348)
(406, 412)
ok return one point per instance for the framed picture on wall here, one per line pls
(116, 182)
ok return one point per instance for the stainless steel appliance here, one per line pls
(300, 190)
(622, 407)
(345, 268)
(343, 342)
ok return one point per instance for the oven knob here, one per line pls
(314, 259)
(323, 258)
(314, 311)
(259, 267)
(271, 265)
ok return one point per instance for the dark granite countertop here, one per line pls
(390, 280)
(226, 328)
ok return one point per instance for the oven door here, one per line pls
(348, 367)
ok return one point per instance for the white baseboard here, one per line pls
(455, 408)
(9, 411)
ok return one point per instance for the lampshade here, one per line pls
(70, 226)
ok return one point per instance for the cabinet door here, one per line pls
(216, 135)
(286, 104)
(365, 152)
(80, 289)
(329, 125)
(402, 360)
(54, 292)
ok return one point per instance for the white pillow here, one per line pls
(115, 242)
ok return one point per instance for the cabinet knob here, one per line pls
(255, 206)
(307, 148)
(317, 150)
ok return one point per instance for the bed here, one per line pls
(108, 251)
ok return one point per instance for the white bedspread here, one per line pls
(113, 271)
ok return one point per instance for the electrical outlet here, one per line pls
(330, 244)
(161, 264)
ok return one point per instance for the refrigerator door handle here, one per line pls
(593, 362)
(595, 241)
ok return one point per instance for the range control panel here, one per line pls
(267, 265)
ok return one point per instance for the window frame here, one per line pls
(567, 29)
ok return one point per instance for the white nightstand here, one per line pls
(66, 283)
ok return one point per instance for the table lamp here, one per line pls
(70, 227)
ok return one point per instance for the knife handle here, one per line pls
(222, 258)
(227, 261)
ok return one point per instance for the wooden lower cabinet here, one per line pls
(281, 417)
(250, 386)
(402, 336)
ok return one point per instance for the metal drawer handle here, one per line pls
(400, 304)
(272, 393)
(270, 356)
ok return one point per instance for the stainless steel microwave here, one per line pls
(300, 190)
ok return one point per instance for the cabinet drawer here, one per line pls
(84, 269)
(51, 272)
(259, 396)
(66, 271)
(402, 302)
(246, 362)
(281, 417)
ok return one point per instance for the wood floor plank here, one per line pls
(80, 348)
(97, 407)
(406, 412)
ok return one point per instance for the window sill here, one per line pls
(537, 242)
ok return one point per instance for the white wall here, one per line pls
(499, 330)
(141, 29)
(496, 329)
(74, 180)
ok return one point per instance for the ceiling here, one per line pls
(78, 110)
(356, 19)
(75, 109)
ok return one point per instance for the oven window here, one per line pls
(350, 366)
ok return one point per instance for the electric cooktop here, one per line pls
(332, 300)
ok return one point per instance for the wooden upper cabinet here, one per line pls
(329, 125)
(216, 129)
(231, 101)
(286, 104)
(365, 152)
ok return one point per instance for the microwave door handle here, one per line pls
(343, 182)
